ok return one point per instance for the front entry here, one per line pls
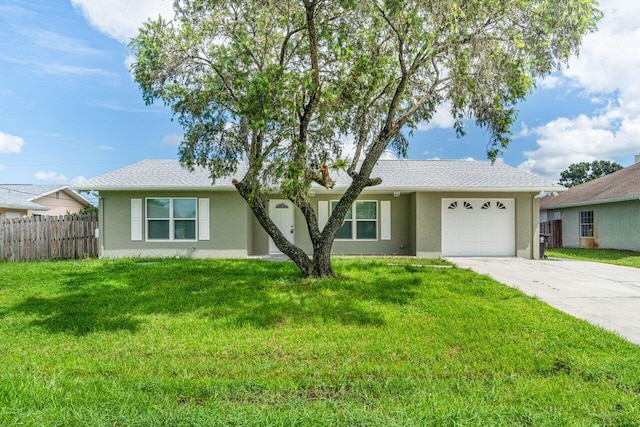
(282, 214)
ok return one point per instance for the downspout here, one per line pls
(101, 235)
(535, 228)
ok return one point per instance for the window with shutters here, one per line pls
(171, 219)
(360, 222)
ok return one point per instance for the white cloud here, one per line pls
(51, 176)
(105, 148)
(172, 139)
(551, 81)
(78, 180)
(129, 60)
(388, 155)
(441, 119)
(120, 19)
(606, 70)
(2, 167)
(72, 70)
(566, 141)
(51, 40)
(10, 144)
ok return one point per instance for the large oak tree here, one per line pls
(278, 83)
(579, 173)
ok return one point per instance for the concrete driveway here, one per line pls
(603, 294)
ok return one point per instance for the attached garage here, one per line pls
(478, 227)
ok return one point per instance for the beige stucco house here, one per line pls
(424, 208)
(19, 200)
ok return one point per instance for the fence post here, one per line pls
(36, 238)
(2, 243)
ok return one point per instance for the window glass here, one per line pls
(184, 230)
(366, 210)
(365, 223)
(171, 219)
(158, 230)
(345, 231)
(366, 230)
(158, 208)
(586, 224)
(184, 208)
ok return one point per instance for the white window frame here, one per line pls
(590, 215)
(354, 221)
(171, 220)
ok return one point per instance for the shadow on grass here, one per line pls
(117, 295)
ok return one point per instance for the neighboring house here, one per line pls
(18, 200)
(425, 208)
(603, 213)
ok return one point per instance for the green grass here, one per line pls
(609, 256)
(245, 342)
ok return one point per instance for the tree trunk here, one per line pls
(259, 209)
(322, 260)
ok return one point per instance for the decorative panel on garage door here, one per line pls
(478, 227)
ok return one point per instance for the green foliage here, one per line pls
(241, 76)
(579, 173)
(88, 209)
(279, 83)
(246, 342)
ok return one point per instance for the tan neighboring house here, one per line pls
(19, 200)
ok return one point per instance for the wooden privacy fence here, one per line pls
(48, 237)
(552, 229)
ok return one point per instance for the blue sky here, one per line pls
(69, 109)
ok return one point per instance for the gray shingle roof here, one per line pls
(21, 196)
(397, 175)
(621, 185)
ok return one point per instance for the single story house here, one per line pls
(424, 208)
(18, 200)
(603, 213)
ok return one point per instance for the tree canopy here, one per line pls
(279, 84)
(579, 173)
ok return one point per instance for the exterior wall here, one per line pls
(401, 238)
(3, 212)
(401, 243)
(58, 206)
(429, 220)
(235, 232)
(615, 226)
(227, 225)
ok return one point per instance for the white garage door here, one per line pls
(478, 227)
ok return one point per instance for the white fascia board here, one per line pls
(404, 190)
(150, 188)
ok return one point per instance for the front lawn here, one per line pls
(609, 256)
(246, 342)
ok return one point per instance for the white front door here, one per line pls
(478, 227)
(282, 214)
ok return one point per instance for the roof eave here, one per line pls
(594, 202)
(31, 207)
(318, 189)
(152, 188)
